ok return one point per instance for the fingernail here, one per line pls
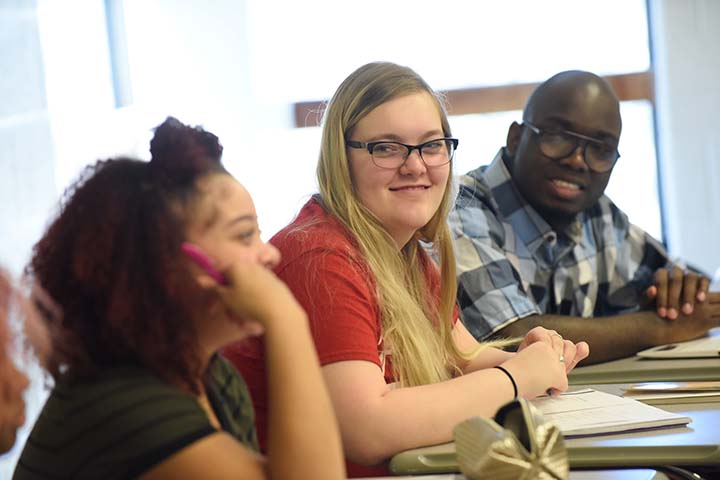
(662, 312)
(701, 296)
(672, 314)
(687, 309)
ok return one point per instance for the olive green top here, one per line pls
(128, 420)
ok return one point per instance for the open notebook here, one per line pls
(580, 413)
(705, 347)
(589, 412)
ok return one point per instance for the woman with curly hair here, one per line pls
(139, 389)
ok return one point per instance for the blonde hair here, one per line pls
(417, 330)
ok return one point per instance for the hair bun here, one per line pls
(181, 153)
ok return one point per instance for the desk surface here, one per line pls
(697, 444)
(635, 474)
(636, 369)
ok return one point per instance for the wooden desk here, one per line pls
(698, 444)
(636, 369)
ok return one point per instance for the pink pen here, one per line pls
(201, 258)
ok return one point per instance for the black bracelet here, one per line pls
(511, 379)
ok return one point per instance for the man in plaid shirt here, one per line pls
(538, 243)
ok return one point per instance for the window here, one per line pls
(242, 76)
(488, 61)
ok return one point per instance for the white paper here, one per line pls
(590, 412)
(705, 347)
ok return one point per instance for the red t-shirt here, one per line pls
(329, 277)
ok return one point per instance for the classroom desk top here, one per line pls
(635, 474)
(697, 444)
(637, 369)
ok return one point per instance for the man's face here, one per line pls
(560, 189)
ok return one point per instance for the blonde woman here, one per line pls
(400, 368)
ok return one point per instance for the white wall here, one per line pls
(686, 53)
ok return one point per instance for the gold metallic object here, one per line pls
(518, 444)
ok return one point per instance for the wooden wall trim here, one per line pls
(627, 86)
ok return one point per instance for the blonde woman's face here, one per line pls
(404, 199)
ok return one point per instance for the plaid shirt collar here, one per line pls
(525, 221)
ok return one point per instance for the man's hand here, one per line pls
(705, 316)
(676, 291)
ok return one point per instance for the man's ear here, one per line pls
(513, 139)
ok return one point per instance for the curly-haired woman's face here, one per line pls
(225, 226)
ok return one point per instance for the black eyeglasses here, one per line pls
(394, 154)
(599, 156)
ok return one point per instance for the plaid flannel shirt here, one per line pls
(511, 264)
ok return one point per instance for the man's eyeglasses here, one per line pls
(599, 156)
(394, 154)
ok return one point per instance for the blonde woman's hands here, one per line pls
(537, 369)
(572, 353)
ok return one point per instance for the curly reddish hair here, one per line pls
(111, 260)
